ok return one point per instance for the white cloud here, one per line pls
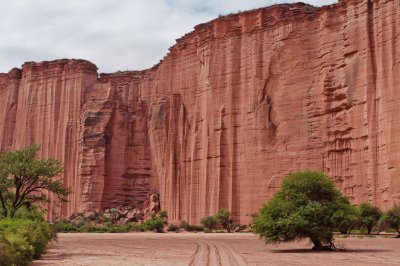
(113, 34)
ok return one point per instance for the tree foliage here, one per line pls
(370, 216)
(24, 179)
(307, 206)
(347, 218)
(391, 219)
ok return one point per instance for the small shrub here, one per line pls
(224, 219)
(30, 212)
(173, 228)
(310, 8)
(210, 223)
(23, 240)
(163, 215)
(20, 249)
(191, 228)
(67, 227)
(92, 217)
(151, 224)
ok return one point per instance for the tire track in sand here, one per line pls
(210, 253)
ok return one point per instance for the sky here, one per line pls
(113, 34)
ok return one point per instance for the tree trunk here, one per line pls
(369, 228)
(317, 244)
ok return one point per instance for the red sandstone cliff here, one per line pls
(236, 105)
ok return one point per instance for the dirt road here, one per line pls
(211, 249)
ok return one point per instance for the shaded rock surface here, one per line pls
(235, 106)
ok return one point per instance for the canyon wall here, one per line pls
(236, 105)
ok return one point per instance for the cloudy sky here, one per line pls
(113, 34)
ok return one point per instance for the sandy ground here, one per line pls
(211, 249)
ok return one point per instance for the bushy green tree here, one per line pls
(25, 180)
(370, 216)
(347, 218)
(304, 207)
(391, 219)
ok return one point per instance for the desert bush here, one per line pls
(30, 212)
(16, 249)
(153, 223)
(225, 221)
(173, 228)
(370, 216)
(310, 8)
(66, 226)
(163, 215)
(37, 233)
(22, 240)
(210, 223)
(304, 207)
(190, 227)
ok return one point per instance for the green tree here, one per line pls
(304, 207)
(347, 218)
(370, 216)
(224, 219)
(25, 180)
(391, 219)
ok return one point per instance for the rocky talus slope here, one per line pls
(235, 105)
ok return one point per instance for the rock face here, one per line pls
(235, 106)
(121, 214)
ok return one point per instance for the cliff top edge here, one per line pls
(277, 12)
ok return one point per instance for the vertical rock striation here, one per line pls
(235, 106)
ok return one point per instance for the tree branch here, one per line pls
(3, 204)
